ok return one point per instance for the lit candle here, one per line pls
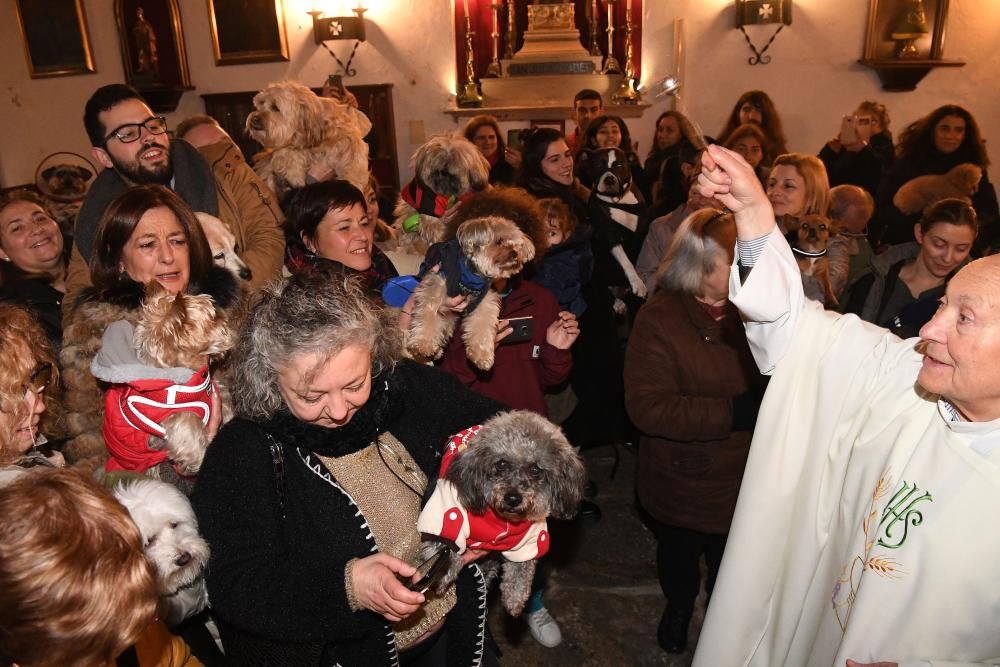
(466, 3)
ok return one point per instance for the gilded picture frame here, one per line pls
(247, 31)
(55, 37)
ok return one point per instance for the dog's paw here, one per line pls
(482, 356)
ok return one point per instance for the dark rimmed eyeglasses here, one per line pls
(130, 132)
(39, 379)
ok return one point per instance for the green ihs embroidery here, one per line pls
(900, 509)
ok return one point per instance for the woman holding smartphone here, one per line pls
(854, 157)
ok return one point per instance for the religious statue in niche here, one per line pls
(147, 60)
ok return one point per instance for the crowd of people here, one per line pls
(660, 301)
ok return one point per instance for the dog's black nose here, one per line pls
(512, 499)
(246, 274)
(182, 559)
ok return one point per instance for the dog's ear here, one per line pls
(527, 248)
(84, 173)
(471, 472)
(153, 289)
(568, 479)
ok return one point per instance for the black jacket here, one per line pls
(891, 226)
(864, 168)
(42, 300)
(277, 582)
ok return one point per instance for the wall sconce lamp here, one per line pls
(339, 27)
(332, 28)
(761, 12)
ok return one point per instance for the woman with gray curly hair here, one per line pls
(310, 496)
(692, 389)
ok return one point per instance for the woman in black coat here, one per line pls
(946, 137)
(33, 260)
(309, 497)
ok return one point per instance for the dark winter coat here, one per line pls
(521, 372)
(692, 389)
(41, 299)
(85, 322)
(276, 577)
(502, 172)
(890, 226)
(870, 294)
(863, 168)
(565, 268)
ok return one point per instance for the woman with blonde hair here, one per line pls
(692, 390)
(28, 379)
(797, 186)
(76, 588)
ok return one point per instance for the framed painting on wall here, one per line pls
(153, 53)
(247, 31)
(55, 38)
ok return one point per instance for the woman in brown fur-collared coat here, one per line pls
(147, 234)
(692, 389)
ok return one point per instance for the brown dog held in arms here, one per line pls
(810, 252)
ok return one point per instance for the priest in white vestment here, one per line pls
(868, 524)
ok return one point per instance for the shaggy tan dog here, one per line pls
(483, 250)
(298, 129)
(447, 169)
(181, 331)
(960, 182)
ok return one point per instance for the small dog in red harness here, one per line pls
(497, 485)
(160, 399)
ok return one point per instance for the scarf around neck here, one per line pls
(376, 416)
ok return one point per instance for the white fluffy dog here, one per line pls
(170, 532)
(299, 129)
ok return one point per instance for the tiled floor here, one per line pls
(605, 595)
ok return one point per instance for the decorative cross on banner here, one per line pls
(765, 11)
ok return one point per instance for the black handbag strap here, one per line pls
(278, 459)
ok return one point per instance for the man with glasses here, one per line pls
(132, 143)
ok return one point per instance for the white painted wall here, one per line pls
(813, 77)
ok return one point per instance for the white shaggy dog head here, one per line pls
(172, 543)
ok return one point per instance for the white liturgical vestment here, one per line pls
(868, 523)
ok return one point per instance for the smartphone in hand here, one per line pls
(848, 134)
(335, 82)
(430, 571)
(523, 330)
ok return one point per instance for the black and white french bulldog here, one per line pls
(615, 208)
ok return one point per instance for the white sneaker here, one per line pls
(544, 628)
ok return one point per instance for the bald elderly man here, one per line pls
(866, 531)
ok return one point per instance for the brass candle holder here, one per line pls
(611, 65)
(493, 71)
(595, 48)
(511, 30)
(626, 93)
(470, 96)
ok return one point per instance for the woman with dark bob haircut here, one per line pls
(944, 138)
(310, 496)
(328, 225)
(148, 234)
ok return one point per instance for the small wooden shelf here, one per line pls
(904, 75)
